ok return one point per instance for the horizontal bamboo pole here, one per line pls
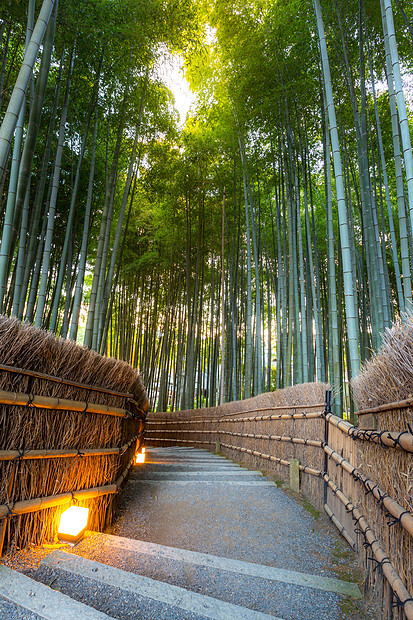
(339, 526)
(401, 404)
(149, 439)
(40, 375)
(142, 410)
(279, 408)
(42, 503)
(404, 517)
(387, 567)
(165, 422)
(388, 438)
(177, 431)
(286, 416)
(28, 455)
(60, 404)
(275, 459)
(297, 440)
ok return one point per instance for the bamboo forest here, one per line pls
(264, 240)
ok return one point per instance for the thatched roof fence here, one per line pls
(71, 421)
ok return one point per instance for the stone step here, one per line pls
(144, 597)
(160, 465)
(28, 598)
(196, 475)
(270, 590)
(193, 461)
(134, 550)
(240, 483)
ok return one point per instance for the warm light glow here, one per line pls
(73, 523)
(140, 458)
(143, 450)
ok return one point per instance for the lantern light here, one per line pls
(143, 450)
(73, 522)
(140, 457)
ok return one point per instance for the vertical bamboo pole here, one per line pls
(222, 304)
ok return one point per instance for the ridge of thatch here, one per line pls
(388, 375)
(32, 348)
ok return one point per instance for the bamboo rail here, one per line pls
(401, 404)
(339, 526)
(84, 386)
(296, 440)
(402, 516)
(286, 416)
(381, 558)
(60, 404)
(275, 459)
(42, 503)
(386, 438)
(181, 440)
(280, 408)
(26, 455)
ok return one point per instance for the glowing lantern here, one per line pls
(143, 450)
(72, 524)
(140, 457)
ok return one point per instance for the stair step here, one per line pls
(226, 483)
(162, 466)
(42, 600)
(135, 548)
(159, 475)
(137, 585)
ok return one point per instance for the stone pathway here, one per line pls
(201, 537)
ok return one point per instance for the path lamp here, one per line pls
(140, 456)
(73, 522)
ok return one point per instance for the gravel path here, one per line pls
(192, 500)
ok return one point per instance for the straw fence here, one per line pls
(71, 421)
(362, 477)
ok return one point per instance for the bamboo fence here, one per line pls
(362, 478)
(71, 422)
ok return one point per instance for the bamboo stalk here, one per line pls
(389, 572)
(392, 440)
(404, 517)
(60, 404)
(40, 375)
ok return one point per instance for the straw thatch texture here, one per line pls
(388, 375)
(388, 378)
(30, 428)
